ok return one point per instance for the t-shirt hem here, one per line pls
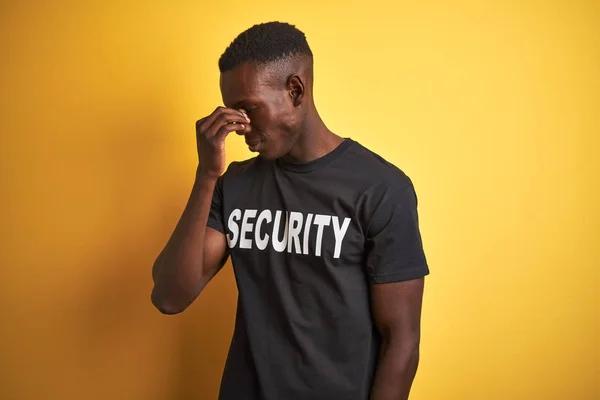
(405, 275)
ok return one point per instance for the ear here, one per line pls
(296, 89)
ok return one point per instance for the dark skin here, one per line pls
(272, 106)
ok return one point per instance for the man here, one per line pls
(322, 233)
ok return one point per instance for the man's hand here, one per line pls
(211, 132)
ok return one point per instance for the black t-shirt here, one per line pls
(306, 240)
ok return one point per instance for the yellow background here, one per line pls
(492, 109)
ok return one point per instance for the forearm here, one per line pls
(178, 270)
(396, 370)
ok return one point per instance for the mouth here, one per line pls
(254, 145)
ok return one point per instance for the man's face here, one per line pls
(274, 120)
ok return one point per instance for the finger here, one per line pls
(209, 120)
(225, 119)
(244, 130)
(217, 113)
(200, 122)
(226, 129)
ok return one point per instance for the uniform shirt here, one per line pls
(306, 241)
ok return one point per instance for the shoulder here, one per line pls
(240, 169)
(375, 169)
(386, 191)
(239, 177)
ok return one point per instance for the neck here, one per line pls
(314, 140)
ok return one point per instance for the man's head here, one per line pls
(267, 72)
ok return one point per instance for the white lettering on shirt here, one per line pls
(286, 231)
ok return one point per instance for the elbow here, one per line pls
(173, 293)
(405, 347)
(165, 304)
(402, 336)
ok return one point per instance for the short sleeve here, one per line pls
(215, 217)
(394, 249)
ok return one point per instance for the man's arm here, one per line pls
(193, 255)
(397, 313)
(196, 252)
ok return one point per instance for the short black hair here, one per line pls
(264, 43)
